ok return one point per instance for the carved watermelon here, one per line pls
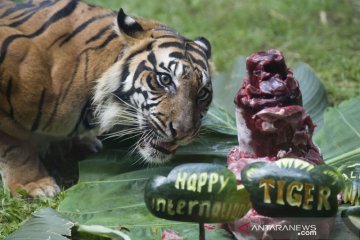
(292, 188)
(198, 192)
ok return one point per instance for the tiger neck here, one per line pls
(96, 61)
(90, 55)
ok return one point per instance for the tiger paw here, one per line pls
(44, 187)
(84, 147)
(91, 144)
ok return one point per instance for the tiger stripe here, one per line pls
(56, 40)
(98, 35)
(109, 38)
(84, 110)
(84, 52)
(8, 97)
(15, 9)
(84, 25)
(31, 13)
(155, 123)
(37, 119)
(22, 14)
(8, 150)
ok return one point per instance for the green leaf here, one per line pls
(340, 229)
(103, 232)
(314, 94)
(44, 224)
(339, 138)
(210, 146)
(219, 120)
(351, 217)
(226, 85)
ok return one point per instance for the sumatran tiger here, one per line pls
(69, 69)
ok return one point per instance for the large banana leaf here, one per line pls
(226, 85)
(44, 224)
(339, 138)
(313, 92)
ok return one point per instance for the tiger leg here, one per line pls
(85, 146)
(21, 168)
(62, 157)
(75, 149)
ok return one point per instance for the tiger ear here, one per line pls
(205, 45)
(128, 25)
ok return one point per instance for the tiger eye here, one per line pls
(203, 94)
(165, 79)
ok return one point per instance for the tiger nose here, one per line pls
(182, 131)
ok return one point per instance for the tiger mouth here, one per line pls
(168, 148)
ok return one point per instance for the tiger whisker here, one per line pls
(120, 122)
(124, 131)
(118, 136)
(128, 105)
(127, 138)
(137, 144)
(197, 131)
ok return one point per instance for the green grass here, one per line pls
(13, 211)
(241, 27)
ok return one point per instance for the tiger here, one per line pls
(70, 70)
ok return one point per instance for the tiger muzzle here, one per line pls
(164, 147)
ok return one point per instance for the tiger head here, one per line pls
(158, 90)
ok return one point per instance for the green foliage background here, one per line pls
(330, 44)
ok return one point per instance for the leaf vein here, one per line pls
(104, 210)
(348, 124)
(114, 181)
